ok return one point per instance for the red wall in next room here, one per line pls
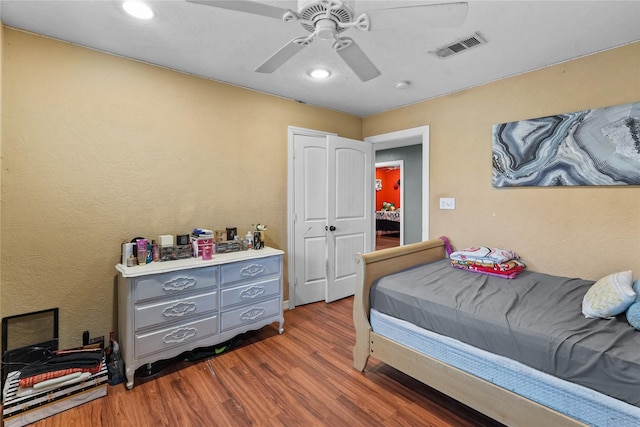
(390, 191)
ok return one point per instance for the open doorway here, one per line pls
(388, 204)
(414, 145)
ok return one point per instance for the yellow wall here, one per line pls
(1, 63)
(586, 232)
(99, 149)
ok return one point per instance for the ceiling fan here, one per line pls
(327, 19)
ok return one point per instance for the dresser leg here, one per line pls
(130, 373)
(281, 328)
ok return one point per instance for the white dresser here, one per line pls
(167, 308)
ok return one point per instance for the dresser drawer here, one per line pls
(164, 339)
(175, 310)
(250, 313)
(251, 292)
(174, 283)
(251, 269)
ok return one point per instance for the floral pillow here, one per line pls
(609, 296)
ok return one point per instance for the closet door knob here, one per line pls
(332, 228)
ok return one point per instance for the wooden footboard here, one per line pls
(372, 266)
(498, 403)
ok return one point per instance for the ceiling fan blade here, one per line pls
(245, 6)
(285, 53)
(356, 59)
(434, 15)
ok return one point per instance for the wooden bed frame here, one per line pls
(496, 402)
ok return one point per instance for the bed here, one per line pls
(388, 221)
(506, 390)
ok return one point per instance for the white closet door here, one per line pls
(349, 216)
(332, 187)
(310, 240)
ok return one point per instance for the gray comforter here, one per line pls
(535, 319)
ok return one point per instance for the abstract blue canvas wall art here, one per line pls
(591, 147)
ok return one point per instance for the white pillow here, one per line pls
(609, 296)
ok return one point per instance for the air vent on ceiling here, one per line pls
(461, 45)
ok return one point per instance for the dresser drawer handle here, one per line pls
(179, 335)
(252, 314)
(252, 270)
(179, 284)
(179, 309)
(252, 292)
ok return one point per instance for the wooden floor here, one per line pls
(303, 377)
(383, 241)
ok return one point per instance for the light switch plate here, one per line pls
(447, 203)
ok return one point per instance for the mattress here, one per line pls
(534, 319)
(575, 401)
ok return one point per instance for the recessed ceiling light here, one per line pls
(138, 9)
(320, 73)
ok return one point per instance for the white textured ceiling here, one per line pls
(227, 46)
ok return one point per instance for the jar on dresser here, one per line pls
(167, 308)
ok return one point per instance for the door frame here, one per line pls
(403, 138)
(291, 132)
(400, 165)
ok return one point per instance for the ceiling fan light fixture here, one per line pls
(138, 9)
(326, 29)
(319, 73)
